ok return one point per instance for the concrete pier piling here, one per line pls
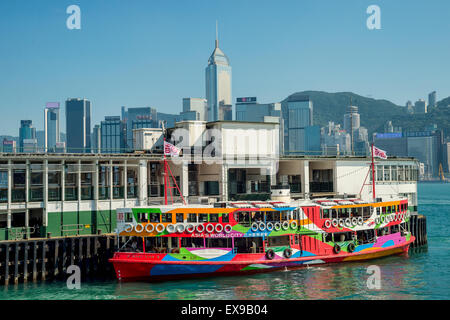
(418, 227)
(48, 259)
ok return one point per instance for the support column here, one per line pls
(110, 177)
(184, 180)
(63, 184)
(79, 185)
(305, 178)
(223, 182)
(95, 181)
(45, 178)
(10, 182)
(125, 183)
(142, 183)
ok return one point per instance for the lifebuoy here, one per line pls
(228, 228)
(159, 230)
(190, 228)
(170, 228)
(287, 253)
(262, 226)
(277, 226)
(149, 228)
(294, 225)
(337, 248)
(341, 223)
(200, 228)
(348, 222)
(382, 219)
(140, 229)
(377, 220)
(219, 228)
(128, 228)
(285, 225)
(270, 254)
(254, 226)
(335, 222)
(360, 221)
(328, 224)
(269, 226)
(208, 229)
(354, 222)
(351, 247)
(180, 228)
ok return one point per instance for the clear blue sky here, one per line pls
(153, 53)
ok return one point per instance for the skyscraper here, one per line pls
(218, 84)
(51, 126)
(191, 105)
(432, 99)
(135, 118)
(26, 132)
(297, 113)
(112, 135)
(420, 106)
(78, 125)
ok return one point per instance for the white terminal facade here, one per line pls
(73, 194)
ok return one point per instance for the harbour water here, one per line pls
(423, 274)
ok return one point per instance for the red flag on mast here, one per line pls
(379, 153)
(171, 150)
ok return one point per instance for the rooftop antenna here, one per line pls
(217, 34)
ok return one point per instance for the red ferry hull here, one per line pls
(156, 267)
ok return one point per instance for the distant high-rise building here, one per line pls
(420, 106)
(297, 114)
(29, 145)
(78, 125)
(335, 140)
(51, 126)
(409, 107)
(218, 84)
(133, 118)
(9, 146)
(352, 119)
(26, 132)
(112, 135)
(198, 105)
(432, 99)
(96, 139)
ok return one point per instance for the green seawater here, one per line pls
(423, 274)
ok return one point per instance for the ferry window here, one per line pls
(269, 216)
(388, 209)
(154, 217)
(225, 218)
(192, 242)
(278, 241)
(276, 216)
(325, 214)
(142, 217)
(218, 243)
(284, 215)
(166, 217)
(296, 238)
(378, 211)
(256, 216)
(366, 211)
(128, 217)
(192, 217)
(296, 214)
(393, 209)
(334, 213)
(213, 218)
(179, 217)
(203, 217)
(383, 209)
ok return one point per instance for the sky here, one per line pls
(137, 53)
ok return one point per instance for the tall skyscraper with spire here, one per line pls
(218, 85)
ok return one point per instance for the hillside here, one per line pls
(374, 112)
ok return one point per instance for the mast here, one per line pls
(165, 164)
(373, 175)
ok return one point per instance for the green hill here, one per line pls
(375, 112)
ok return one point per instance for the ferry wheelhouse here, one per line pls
(169, 242)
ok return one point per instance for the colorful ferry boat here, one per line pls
(246, 237)
(176, 241)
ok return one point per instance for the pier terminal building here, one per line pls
(59, 195)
